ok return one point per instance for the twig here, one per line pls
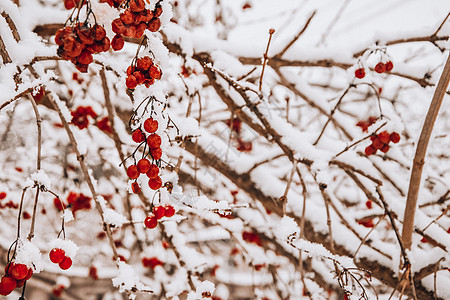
(419, 158)
(297, 36)
(266, 57)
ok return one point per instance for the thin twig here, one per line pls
(266, 57)
(297, 36)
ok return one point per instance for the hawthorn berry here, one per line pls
(153, 172)
(389, 66)
(380, 68)
(370, 150)
(156, 153)
(169, 211)
(151, 125)
(143, 166)
(135, 188)
(66, 263)
(154, 141)
(385, 148)
(7, 285)
(131, 82)
(360, 73)
(159, 212)
(154, 25)
(369, 204)
(57, 255)
(117, 42)
(144, 63)
(138, 136)
(377, 143)
(133, 172)
(2, 195)
(155, 183)
(384, 137)
(394, 137)
(151, 222)
(18, 271)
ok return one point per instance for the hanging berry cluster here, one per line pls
(381, 142)
(365, 124)
(78, 42)
(58, 256)
(15, 277)
(151, 262)
(380, 67)
(151, 221)
(142, 71)
(134, 20)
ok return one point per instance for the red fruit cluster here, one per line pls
(77, 201)
(15, 277)
(80, 116)
(252, 237)
(381, 142)
(144, 166)
(58, 256)
(384, 67)
(8, 204)
(366, 124)
(104, 125)
(77, 43)
(144, 71)
(151, 262)
(69, 4)
(133, 22)
(151, 221)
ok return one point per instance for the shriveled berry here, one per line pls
(66, 263)
(57, 255)
(154, 72)
(153, 172)
(118, 27)
(360, 73)
(159, 211)
(135, 188)
(151, 125)
(151, 222)
(154, 141)
(380, 67)
(385, 148)
(133, 172)
(144, 63)
(389, 66)
(137, 5)
(155, 183)
(156, 153)
(138, 136)
(154, 25)
(394, 137)
(131, 82)
(170, 211)
(127, 17)
(370, 150)
(117, 42)
(143, 165)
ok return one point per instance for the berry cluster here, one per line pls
(379, 68)
(144, 71)
(112, 3)
(58, 256)
(151, 221)
(381, 142)
(15, 277)
(105, 125)
(77, 43)
(8, 204)
(77, 201)
(367, 123)
(144, 166)
(80, 116)
(58, 290)
(69, 4)
(252, 237)
(133, 22)
(151, 262)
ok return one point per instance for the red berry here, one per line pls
(151, 125)
(150, 222)
(135, 188)
(133, 172)
(394, 137)
(138, 136)
(66, 263)
(360, 73)
(154, 72)
(389, 66)
(7, 285)
(159, 212)
(131, 82)
(117, 42)
(127, 17)
(155, 183)
(143, 165)
(154, 25)
(377, 143)
(385, 148)
(369, 204)
(57, 255)
(2, 195)
(154, 141)
(380, 68)
(18, 271)
(117, 26)
(384, 137)
(93, 272)
(156, 153)
(366, 223)
(29, 274)
(153, 172)
(370, 150)
(144, 63)
(170, 211)
(137, 5)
